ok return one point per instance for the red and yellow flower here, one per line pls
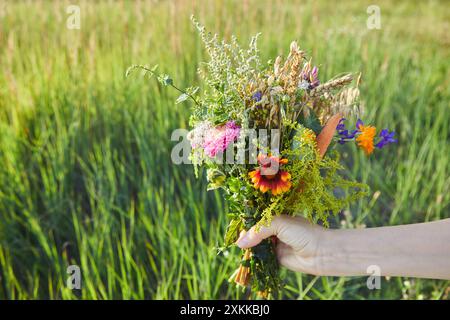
(269, 176)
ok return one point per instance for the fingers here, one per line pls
(286, 256)
(298, 241)
(283, 251)
(253, 237)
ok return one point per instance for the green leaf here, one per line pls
(153, 69)
(183, 97)
(233, 231)
(194, 90)
(165, 80)
(312, 122)
(129, 69)
(215, 177)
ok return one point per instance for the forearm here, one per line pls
(415, 250)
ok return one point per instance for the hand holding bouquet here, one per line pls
(265, 134)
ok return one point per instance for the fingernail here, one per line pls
(243, 239)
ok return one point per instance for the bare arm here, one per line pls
(415, 250)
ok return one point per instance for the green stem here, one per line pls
(146, 69)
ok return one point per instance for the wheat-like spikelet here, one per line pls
(346, 101)
(332, 84)
(296, 58)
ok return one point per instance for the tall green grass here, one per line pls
(86, 175)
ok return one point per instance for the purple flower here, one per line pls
(344, 134)
(359, 123)
(257, 96)
(341, 125)
(313, 78)
(310, 75)
(386, 138)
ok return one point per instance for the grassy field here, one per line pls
(86, 175)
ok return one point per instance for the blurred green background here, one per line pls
(86, 175)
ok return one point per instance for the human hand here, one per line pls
(416, 250)
(299, 245)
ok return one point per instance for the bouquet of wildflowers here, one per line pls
(266, 134)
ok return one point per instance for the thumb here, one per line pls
(252, 237)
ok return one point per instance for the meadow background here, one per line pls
(85, 170)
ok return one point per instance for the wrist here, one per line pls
(341, 253)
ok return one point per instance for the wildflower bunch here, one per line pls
(365, 135)
(245, 105)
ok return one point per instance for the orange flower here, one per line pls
(269, 176)
(365, 139)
